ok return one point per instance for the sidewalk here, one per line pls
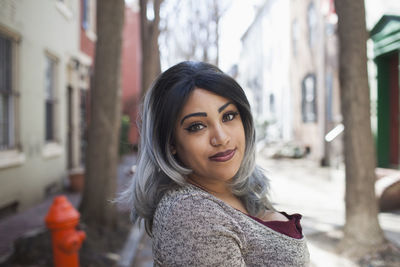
(32, 220)
(26, 223)
(301, 186)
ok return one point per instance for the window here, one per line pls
(312, 24)
(295, 36)
(6, 94)
(308, 101)
(83, 125)
(86, 15)
(329, 100)
(89, 18)
(272, 103)
(50, 98)
(10, 149)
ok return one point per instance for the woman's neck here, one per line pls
(222, 192)
(216, 189)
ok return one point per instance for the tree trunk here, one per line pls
(362, 233)
(149, 30)
(105, 121)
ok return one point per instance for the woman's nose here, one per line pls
(220, 137)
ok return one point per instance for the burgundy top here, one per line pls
(290, 228)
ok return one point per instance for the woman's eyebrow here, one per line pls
(224, 106)
(197, 114)
(203, 114)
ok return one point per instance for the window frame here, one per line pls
(312, 24)
(309, 108)
(88, 19)
(6, 94)
(295, 36)
(54, 99)
(13, 155)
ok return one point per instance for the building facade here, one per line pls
(314, 79)
(264, 70)
(78, 91)
(42, 74)
(289, 68)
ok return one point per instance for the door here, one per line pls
(394, 110)
(69, 129)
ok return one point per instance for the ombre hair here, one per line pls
(158, 170)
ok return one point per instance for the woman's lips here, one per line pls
(223, 156)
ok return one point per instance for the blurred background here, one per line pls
(285, 55)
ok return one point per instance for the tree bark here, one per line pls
(105, 121)
(362, 232)
(149, 30)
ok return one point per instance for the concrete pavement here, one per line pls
(27, 223)
(301, 186)
(32, 220)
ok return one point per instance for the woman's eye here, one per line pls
(229, 116)
(195, 127)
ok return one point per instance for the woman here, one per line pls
(203, 200)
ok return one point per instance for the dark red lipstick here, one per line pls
(223, 156)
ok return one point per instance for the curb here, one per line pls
(131, 246)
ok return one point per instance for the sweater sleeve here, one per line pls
(197, 232)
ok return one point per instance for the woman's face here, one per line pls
(209, 138)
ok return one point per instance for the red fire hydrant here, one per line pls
(62, 219)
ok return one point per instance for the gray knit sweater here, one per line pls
(194, 228)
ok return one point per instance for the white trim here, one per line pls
(11, 158)
(52, 150)
(64, 10)
(84, 58)
(56, 95)
(78, 170)
(91, 35)
(15, 36)
(133, 5)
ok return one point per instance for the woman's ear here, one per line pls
(173, 149)
(172, 145)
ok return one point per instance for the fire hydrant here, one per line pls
(62, 219)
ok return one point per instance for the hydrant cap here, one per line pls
(61, 213)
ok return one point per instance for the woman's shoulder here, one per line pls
(193, 209)
(187, 200)
(191, 228)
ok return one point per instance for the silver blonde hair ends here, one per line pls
(158, 170)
